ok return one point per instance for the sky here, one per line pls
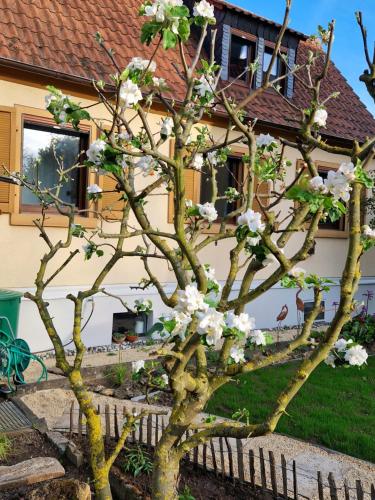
(306, 15)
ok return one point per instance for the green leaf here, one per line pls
(180, 11)
(149, 30)
(169, 39)
(184, 29)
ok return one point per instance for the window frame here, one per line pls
(327, 233)
(254, 41)
(280, 63)
(53, 219)
(82, 173)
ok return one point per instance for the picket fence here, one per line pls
(229, 458)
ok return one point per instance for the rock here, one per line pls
(107, 392)
(62, 489)
(74, 454)
(123, 490)
(30, 472)
(58, 440)
(98, 388)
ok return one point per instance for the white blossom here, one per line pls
(49, 98)
(87, 248)
(147, 164)
(330, 360)
(130, 94)
(188, 203)
(320, 117)
(257, 337)
(203, 9)
(158, 82)
(137, 63)
(191, 300)
(138, 365)
(94, 189)
(317, 184)
(62, 117)
(368, 232)
(182, 321)
(165, 378)
(337, 184)
(212, 157)
(348, 169)
(211, 324)
(207, 211)
(163, 335)
(242, 322)
(158, 9)
(166, 127)
(297, 272)
(265, 140)
(237, 354)
(124, 136)
(356, 355)
(206, 83)
(198, 161)
(253, 220)
(341, 345)
(253, 241)
(95, 151)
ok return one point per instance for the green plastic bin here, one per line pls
(10, 308)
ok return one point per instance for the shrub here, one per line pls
(117, 374)
(186, 494)
(5, 446)
(361, 329)
(137, 461)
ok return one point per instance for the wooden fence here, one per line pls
(232, 459)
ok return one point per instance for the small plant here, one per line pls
(186, 494)
(137, 461)
(117, 374)
(361, 329)
(5, 446)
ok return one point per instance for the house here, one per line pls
(52, 42)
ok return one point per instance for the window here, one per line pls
(338, 225)
(44, 149)
(227, 176)
(308, 307)
(278, 68)
(242, 53)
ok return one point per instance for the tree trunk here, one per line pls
(99, 467)
(165, 474)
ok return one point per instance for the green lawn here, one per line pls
(335, 407)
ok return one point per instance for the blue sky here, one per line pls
(306, 15)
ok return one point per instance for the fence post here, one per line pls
(222, 461)
(116, 424)
(230, 458)
(346, 491)
(252, 468)
(140, 437)
(71, 421)
(359, 489)
(149, 431)
(262, 469)
(295, 484)
(285, 477)
(156, 429)
(320, 486)
(213, 455)
(273, 474)
(372, 492)
(195, 455)
(332, 486)
(107, 424)
(240, 467)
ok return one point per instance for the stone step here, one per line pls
(30, 471)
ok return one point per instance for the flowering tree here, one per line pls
(203, 315)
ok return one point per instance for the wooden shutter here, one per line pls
(263, 192)
(192, 190)
(5, 151)
(111, 203)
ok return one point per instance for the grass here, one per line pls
(5, 446)
(335, 407)
(117, 374)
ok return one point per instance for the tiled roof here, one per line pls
(58, 36)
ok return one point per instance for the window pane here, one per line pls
(240, 57)
(42, 151)
(227, 176)
(267, 61)
(338, 225)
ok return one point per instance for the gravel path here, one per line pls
(54, 405)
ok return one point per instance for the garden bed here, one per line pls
(201, 484)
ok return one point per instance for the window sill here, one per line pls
(53, 220)
(332, 233)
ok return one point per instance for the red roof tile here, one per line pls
(58, 35)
